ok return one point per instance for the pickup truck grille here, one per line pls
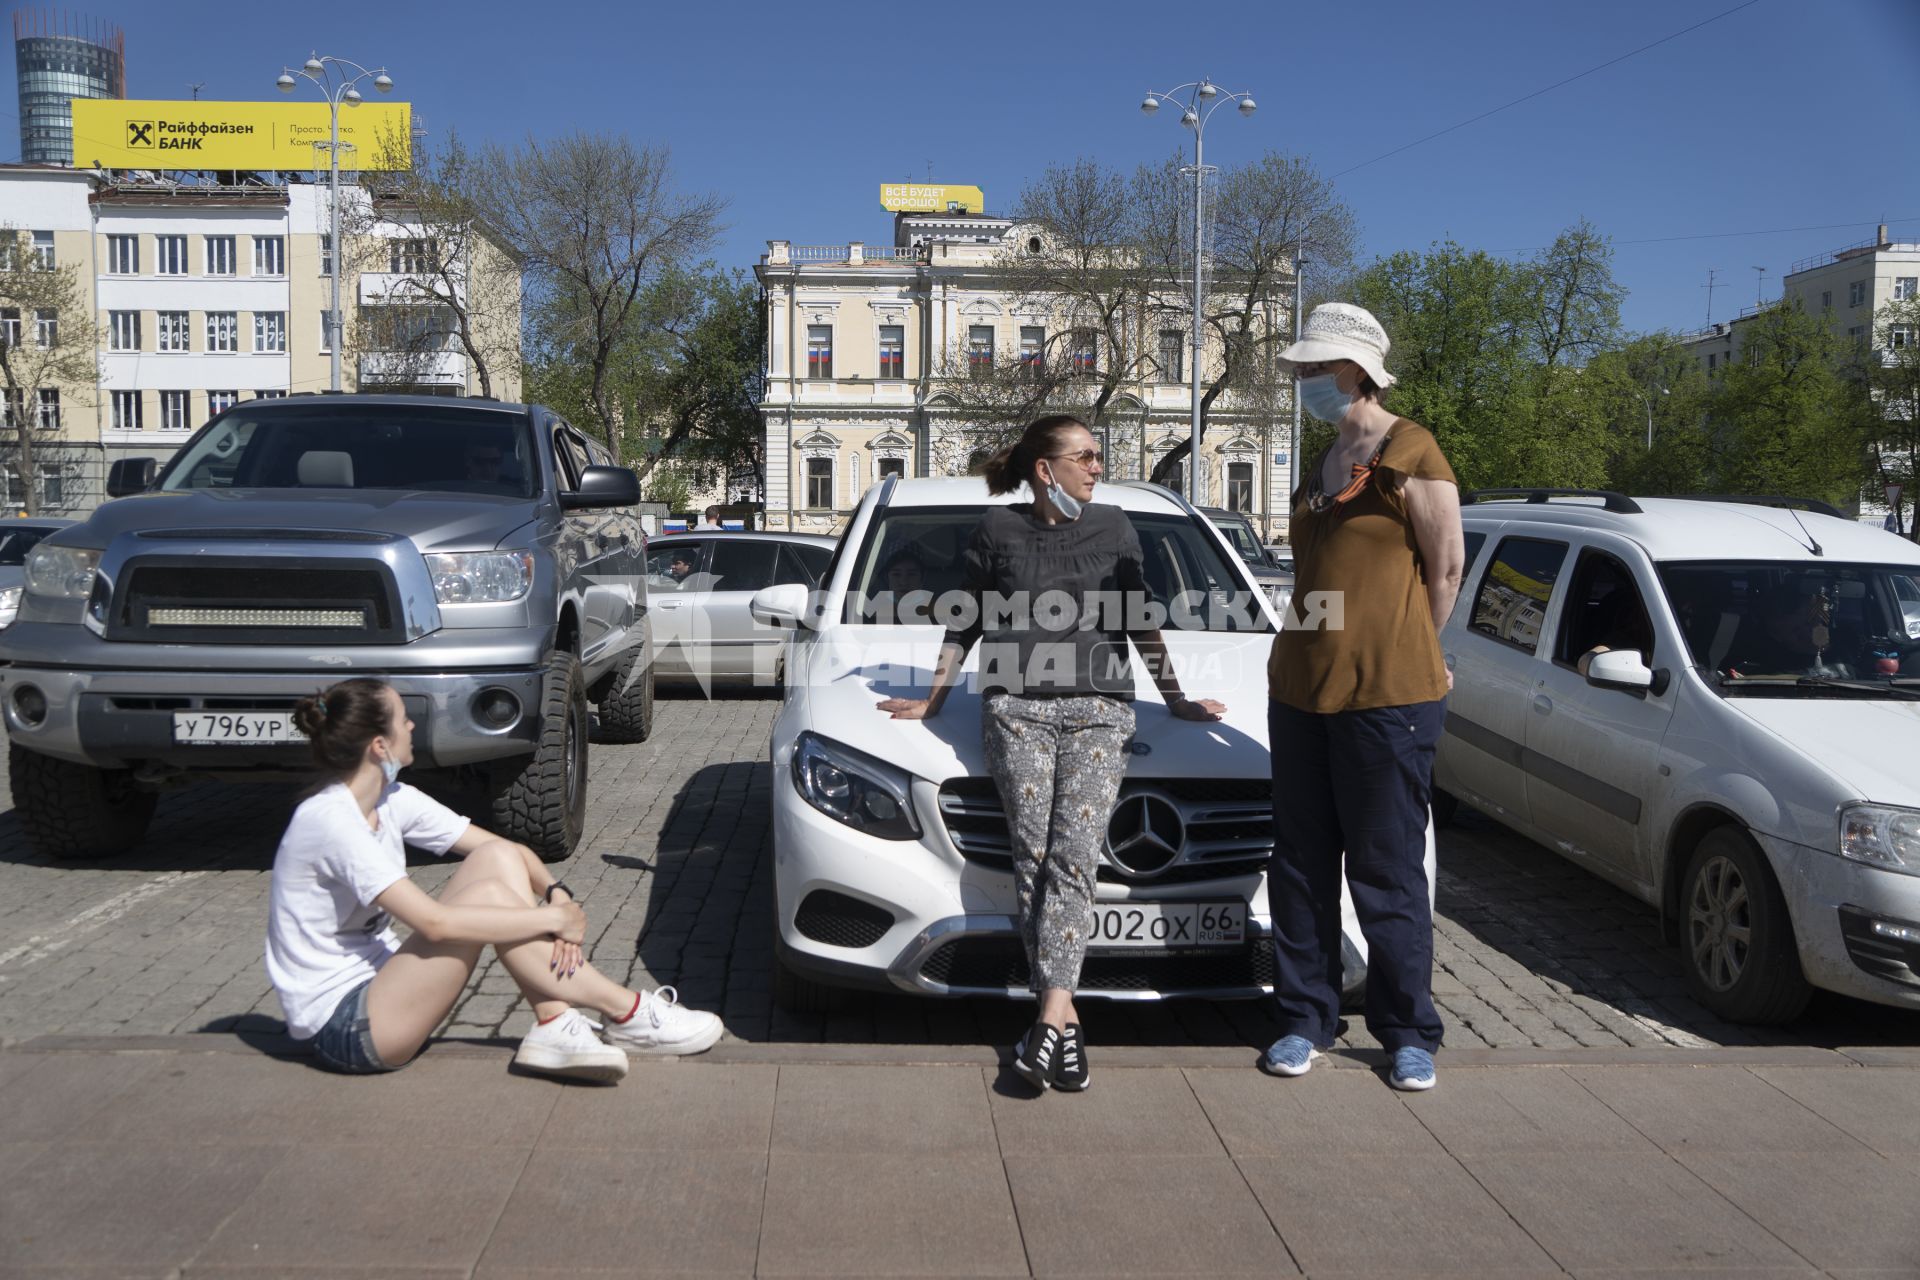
(1200, 828)
(215, 600)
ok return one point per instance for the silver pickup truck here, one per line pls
(481, 557)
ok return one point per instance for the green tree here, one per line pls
(1656, 384)
(1892, 372)
(49, 359)
(1784, 417)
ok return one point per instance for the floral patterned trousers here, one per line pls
(1057, 763)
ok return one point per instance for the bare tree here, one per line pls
(49, 354)
(596, 218)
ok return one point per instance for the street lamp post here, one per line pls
(1648, 401)
(1194, 113)
(338, 81)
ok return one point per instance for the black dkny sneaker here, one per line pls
(1036, 1054)
(1071, 1073)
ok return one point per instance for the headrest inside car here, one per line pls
(326, 469)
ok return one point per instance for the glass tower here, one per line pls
(60, 57)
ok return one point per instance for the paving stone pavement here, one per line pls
(676, 878)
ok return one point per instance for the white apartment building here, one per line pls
(860, 339)
(203, 296)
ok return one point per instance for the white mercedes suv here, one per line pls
(893, 867)
(1714, 704)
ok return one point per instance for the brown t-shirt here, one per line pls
(1359, 633)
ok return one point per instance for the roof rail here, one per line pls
(1814, 505)
(1619, 503)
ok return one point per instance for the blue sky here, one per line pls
(1786, 114)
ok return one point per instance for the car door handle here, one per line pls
(1543, 704)
(670, 604)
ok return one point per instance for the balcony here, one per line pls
(780, 253)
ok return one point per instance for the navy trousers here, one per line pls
(1357, 782)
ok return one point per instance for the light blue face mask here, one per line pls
(1322, 397)
(390, 769)
(1065, 503)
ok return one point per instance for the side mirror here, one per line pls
(130, 475)
(603, 487)
(1619, 669)
(782, 605)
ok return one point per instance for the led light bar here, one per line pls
(177, 617)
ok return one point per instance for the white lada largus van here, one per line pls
(893, 867)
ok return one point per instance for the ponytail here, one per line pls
(1014, 465)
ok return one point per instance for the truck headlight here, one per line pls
(1881, 836)
(480, 577)
(9, 605)
(61, 573)
(852, 787)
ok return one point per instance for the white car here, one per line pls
(893, 867)
(1742, 755)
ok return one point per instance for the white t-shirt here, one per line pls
(324, 935)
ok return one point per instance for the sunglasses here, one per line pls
(1086, 457)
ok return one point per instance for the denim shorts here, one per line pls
(345, 1043)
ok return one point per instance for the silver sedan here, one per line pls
(698, 588)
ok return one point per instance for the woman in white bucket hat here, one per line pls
(1357, 699)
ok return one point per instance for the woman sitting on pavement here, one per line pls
(366, 1002)
(1058, 714)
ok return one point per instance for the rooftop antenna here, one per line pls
(195, 89)
(1760, 287)
(1708, 286)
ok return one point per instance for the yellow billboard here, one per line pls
(908, 197)
(115, 133)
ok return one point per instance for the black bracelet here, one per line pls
(546, 899)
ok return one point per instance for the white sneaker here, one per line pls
(660, 1027)
(568, 1047)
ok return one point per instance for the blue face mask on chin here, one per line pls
(1322, 397)
(1065, 503)
(390, 769)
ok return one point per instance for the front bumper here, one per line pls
(915, 916)
(124, 719)
(1833, 902)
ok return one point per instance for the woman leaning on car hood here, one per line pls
(1058, 705)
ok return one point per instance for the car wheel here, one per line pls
(75, 810)
(1736, 937)
(1446, 807)
(541, 800)
(626, 713)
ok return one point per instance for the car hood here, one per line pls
(433, 520)
(849, 670)
(1868, 744)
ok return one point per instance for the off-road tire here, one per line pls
(1770, 987)
(75, 810)
(626, 713)
(537, 799)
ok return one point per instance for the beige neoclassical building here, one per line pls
(867, 348)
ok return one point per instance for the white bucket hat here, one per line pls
(1342, 331)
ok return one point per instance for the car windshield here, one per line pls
(447, 448)
(910, 550)
(1241, 536)
(1802, 626)
(16, 542)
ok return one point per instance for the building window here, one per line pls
(326, 332)
(9, 326)
(1239, 486)
(173, 331)
(893, 351)
(1711, 361)
(1172, 343)
(43, 250)
(1826, 298)
(412, 257)
(1899, 337)
(49, 415)
(1033, 350)
(819, 351)
(980, 350)
(1857, 332)
(124, 330)
(46, 328)
(173, 410)
(1086, 352)
(170, 255)
(220, 255)
(269, 256)
(1177, 478)
(221, 401)
(223, 331)
(1906, 288)
(53, 485)
(326, 253)
(885, 467)
(123, 255)
(270, 331)
(268, 395)
(1856, 293)
(126, 411)
(820, 484)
